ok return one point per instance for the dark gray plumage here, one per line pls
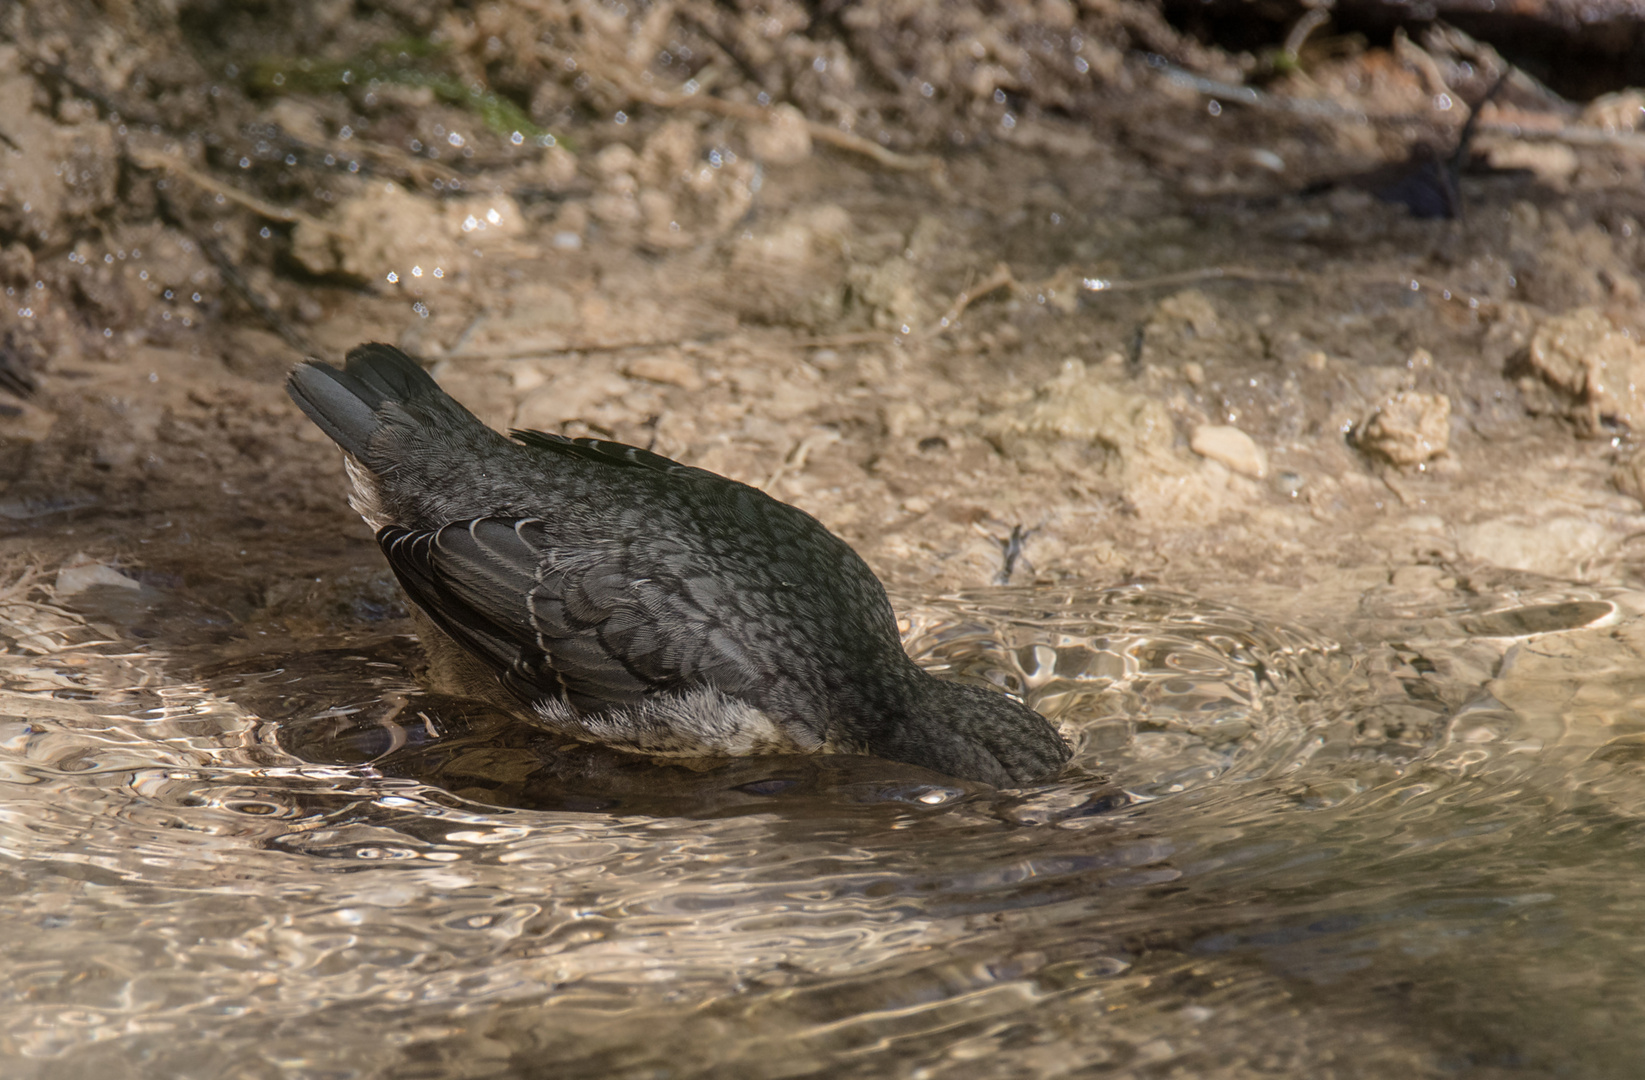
(625, 598)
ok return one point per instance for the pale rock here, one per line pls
(1583, 354)
(1408, 428)
(783, 139)
(1232, 447)
(615, 160)
(667, 369)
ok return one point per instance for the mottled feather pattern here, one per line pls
(644, 603)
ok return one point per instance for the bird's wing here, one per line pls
(604, 451)
(576, 625)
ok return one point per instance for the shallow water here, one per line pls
(1415, 846)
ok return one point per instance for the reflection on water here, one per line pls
(1417, 849)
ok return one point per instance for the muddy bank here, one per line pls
(1065, 306)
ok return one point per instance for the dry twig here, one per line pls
(155, 159)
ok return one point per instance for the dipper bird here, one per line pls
(620, 597)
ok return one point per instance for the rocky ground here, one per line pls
(1037, 294)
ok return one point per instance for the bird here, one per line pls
(615, 595)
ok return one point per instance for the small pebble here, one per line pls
(669, 370)
(1407, 429)
(1232, 447)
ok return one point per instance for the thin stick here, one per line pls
(155, 159)
(1001, 278)
(1189, 277)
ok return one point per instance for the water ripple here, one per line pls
(1270, 844)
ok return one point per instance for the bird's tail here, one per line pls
(378, 385)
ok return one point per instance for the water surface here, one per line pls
(1413, 846)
